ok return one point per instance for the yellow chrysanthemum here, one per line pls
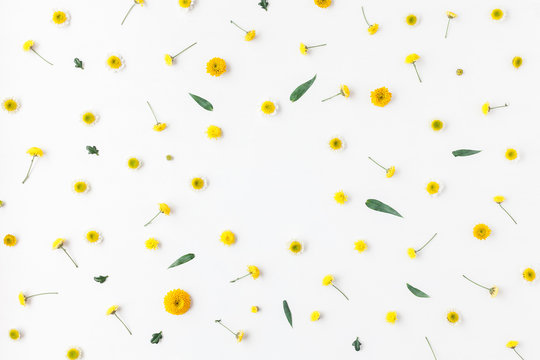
(10, 240)
(227, 237)
(60, 17)
(35, 151)
(411, 58)
(327, 280)
(517, 61)
(411, 253)
(360, 246)
(10, 105)
(497, 14)
(80, 187)
(115, 62)
(344, 89)
(381, 97)
(240, 335)
(481, 231)
(185, 4)
(177, 302)
(151, 244)
(254, 309)
(254, 271)
(453, 317)
(451, 15)
(498, 199)
(315, 315)
(168, 59)
(411, 19)
(390, 171)
(296, 247)
(22, 299)
(529, 274)
(493, 291)
(303, 49)
(372, 29)
(164, 208)
(214, 132)
(250, 35)
(169, 157)
(133, 163)
(58, 243)
(216, 66)
(340, 197)
(73, 354)
(437, 125)
(199, 183)
(323, 3)
(27, 46)
(511, 154)
(112, 310)
(391, 317)
(160, 127)
(459, 72)
(141, 2)
(93, 236)
(485, 108)
(14, 334)
(268, 107)
(433, 187)
(89, 118)
(512, 344)
(336, 144)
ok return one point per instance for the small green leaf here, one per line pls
(78, 63)
(100, 279)
(287, 312)
(417, 292)
(205, 104)
(356, 343)
(465, 152)
(301, 90)
(264, 4)
(382, 207)
(156, 337)
(92, 150)
(182, 260)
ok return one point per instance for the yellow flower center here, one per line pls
(59, 17)
(134, 163)
(497, 14)
(80, 187)
(184, 3)
(73, 354)
(114, 62)
(511, 154)
(411, 19)
(452, 317)
(88, 118)
(268, 107)
(197, 183)
(432, 188)
(437, 125)
(336, 144)
(295, 247)
(10, 105)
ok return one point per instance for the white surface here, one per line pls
(270, 179)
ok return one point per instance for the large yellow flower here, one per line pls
(360, 246)
(10, 105)
(80, 187)
(27, 46)
(177, 302)
(199, 183)
(315, 315)
(453, 317)
(22, 299)
(10, 240)
(216, 66)
(372, 29)
(185, 4)
(323, 3)
(511, 154)
(160, 127)
(497, 14)
(327, 280)
(336, 144)
(295, 247)
(93, 236)
(164, 208)
(89, 118)
(411, 253)
(481, 231)
(112, 310)
(411, 19)
(269, 108)
(151, 244)
(381, 97)
(433, 188)
(512, 344)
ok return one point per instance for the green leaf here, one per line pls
(287, 312)
(100, 279)
(156, 337)
(182, 260)
(205, 104)
(417, 292)
(301, 90)
(264, 4)
(356, 343)
(465, 152)
(92, 150)
(78, 63)
(382, 207)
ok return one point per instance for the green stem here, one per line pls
(365, 18)
(507, 213)
(385, 169)
(152, 219)
(314, 46)
(220, 323)
(30, 168)
(185, 49)
(433, 352)
(238, 26)
(73, 261)
(331, 97)
(241, 277)
(521, 357)
(342, 293)
(125, 17)
(447, 26)
(433, 237)
(475, 283)
(45, 293)
(496, 107)
(35, 52)
(415, 69)
(123, 323)
(155, 117)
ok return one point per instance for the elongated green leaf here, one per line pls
(205, 104)
(382, 207)
(100, 279)
(287, 312)
(417, 292)
(357, 344)
(156, 337)
(465, 152)
(182, 260)
(301, 90)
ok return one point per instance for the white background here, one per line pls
(271, 179)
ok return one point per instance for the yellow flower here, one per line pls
(164, 208)
(517, 61)
(22, 299)
(250, 35)
(451, 15)
(60, 18)
(411, 19)
(498, 199)
(511, 154)
(214, 132)
(304, 48)
(343, 91)
(185, 4)
(133, 163)
(453, 317)
(269, 108)
(177, 302)
(80, 187)
(512, 344)
(336, 144)
(411, 252)
(216, 66)
(27, 46)
(254, 309)
(240, 336)
(391, 317)
(340, 197)
(115, 62)
(160, 127)
(10, 240)
(73, 354)
(381, 97)
(372, 29)
(529, 274)
(296, 247)
(151, 244)
(112, 310)
(437, 125)
(168, 59)
(228, 237)
(323, 3)
(169, 157)
(493, 291)
(14, 334)
(327, 280)
(497, 14)
(459, 72)
(10, 105)
(254, 271)
(35, 151)
(433, 188)
(486, 108)
(315, 315)
(58, 243)
(481, 231)
(412, 59)
(89, 118)
(390, 171)
(93, 236)
(199, 183)
(360, 246)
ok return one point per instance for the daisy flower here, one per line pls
(199, 183)
(295, 247)
(315, 316)
(269, 108)
(323, 3)
(60, 18)
(250, 34)
(372, 29)
(169, 59)
(529, 275)
(381, 97)
(412, 59)
(186, 5)
(14, 334)
(360, 246)
(340, 197)
(486, 108)
(511, 154)
(238, 335)
(163, 209)
(391, 317)
(10, 240)
(159, 125)
(493, 291)
(497, 14)
(23, 299)
(74, 353)
(517, 61)
(59, 244)
(216, 66)
(499, 200)
(151, 244)
(389, 171)
(29, 46)
(214, 132)
(134, 163)
(453, 317)
(113, 311)
(115, 62)
(481, 231)
(450, 15)
(343, 91)
(11, 105)
(329, 280)
(135, 2)
(412, 252)
(434, 188)
(80, 187)
(34, 152)
(89, 118)
(227, 237)
(437, 125)
(252, 270)
(93, 236)
(304, 48)
(336, 143)
(411, 19)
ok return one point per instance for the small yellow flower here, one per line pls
(327, 280)
(35, 151)
(437, 125)
(360, 246)
(14, 334)
(254, 309)
(517, 61)
(112, 310)
(80, 187)
(529, 274)
(269, 108)
(453, 317)
(252, 270)
(60, 18)
(459, 72)
(340, 197)
(160, 127)
(343, 91)
(93, 237)
(216, 66)
(497, 14)
(433, 188)
(390, 171)
(169, 59)
(169, 157)
(304, 48)
(315, 315)
(240, 335)
(511, 154)
(115, 63)
(381, 97)
(10, 105)
(493, 291)
(199, 183)
(214, 132)
(412, 59)
(134, 163)
(27, 46)
(151, 244)
(481, 231)
(10, 240)
(58, 243)
(411, 252)
(486, 108)
(323, 3)
(228, 237)
(498, 199)
(450, 15)
(186, 4)
(23, 298)
(74, 353)
(295, 247)
(250, 35)
(512, 344)
(372, 29)
(89, 118)
(336, 144)
(391, 317)
(163, 209)
(411, 19)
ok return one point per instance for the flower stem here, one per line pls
(507, 213)
(73, 261)
(35, 52)
(185, 49)
(238, 26)
(423, 246)
(220, 323)
(241, 277)
(447, 26)
(521, 357)
(385, 169)
(496, 107)
(415, 69)
(331, 97)
(152, 219)
(433, 352)
(363, 13)
(342, 293)
(123, 323)
(155, 117)
(475, 283)
(30, 168)
(125, 17)
(314, 46)
(45, 293)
